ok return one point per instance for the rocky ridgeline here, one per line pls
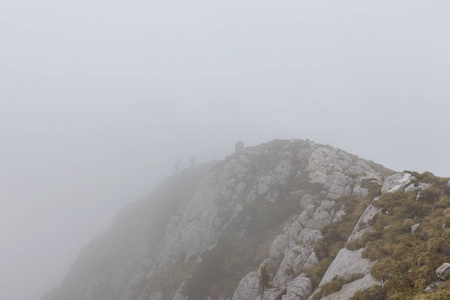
(206, 232)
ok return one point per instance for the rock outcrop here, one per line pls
(205, 233)
(443, 272)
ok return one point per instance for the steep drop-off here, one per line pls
(313, 215)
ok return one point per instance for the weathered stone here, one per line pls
(346, 264)
(420, 187)
(361, 226)
(300, 261)
(350, 289)
(226, 196)
(396, 182)
(359, 191)
(306, 201)
(443, 272)
(178, 296)
(279, 244)
(248, 288)
(299, 288)
(312, 261)
(433, 288)
(319, 219)
(285, 271)
(339, 184)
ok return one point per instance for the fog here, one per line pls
(99, 99)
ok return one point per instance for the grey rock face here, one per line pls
(396, 182)
(420, 187)
(346, 264)
(299, 288)
(414, 228)
(350, 289)
(197, 208)
(360, 229)
(443, 272)
(433, 288)
(248, 287)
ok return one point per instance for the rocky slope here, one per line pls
(207, 231)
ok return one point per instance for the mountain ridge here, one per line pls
(206, 232)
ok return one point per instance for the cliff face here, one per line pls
(207, 231)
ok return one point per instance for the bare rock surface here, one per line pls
(347, 264)
(192, 213)
(350, 289)
(299, 288)
(396, 182)
(443, 272)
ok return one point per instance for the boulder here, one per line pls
(420, 187)
(432, 288)
(347, 264)
(350, 289)
(299, 288)
(443, 272)
(248, 288)
(396, 182)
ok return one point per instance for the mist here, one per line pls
(99, 100)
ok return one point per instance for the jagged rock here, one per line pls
(361, 226)
(420, 187)
(443, 272)
(210, 204)
(339, 184)
(414, 228)
(278, 246)
(339, 215)
(312, 261)
(154, 296)
(317, 164)
(308, 236)
(306, 201)
(346, 264)
(350, 289)
(396, 182)
(248, 288)
(299, 289)
(178, 296)
(301, 260)
(319, 219)
(433, 288)
(359, 191)
(285, 271)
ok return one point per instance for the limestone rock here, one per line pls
(420, 187)
(432, 288)
(279, 244)
(178, 296)
(396, 182)
(361, 226)
(248, 288)
(350, 289)
(299, 289)
(359, 191)
(346, 264)
(443, 272)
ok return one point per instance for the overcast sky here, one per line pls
(99, 99)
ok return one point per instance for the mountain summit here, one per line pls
(283, 220)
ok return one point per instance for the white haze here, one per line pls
(99, 99)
